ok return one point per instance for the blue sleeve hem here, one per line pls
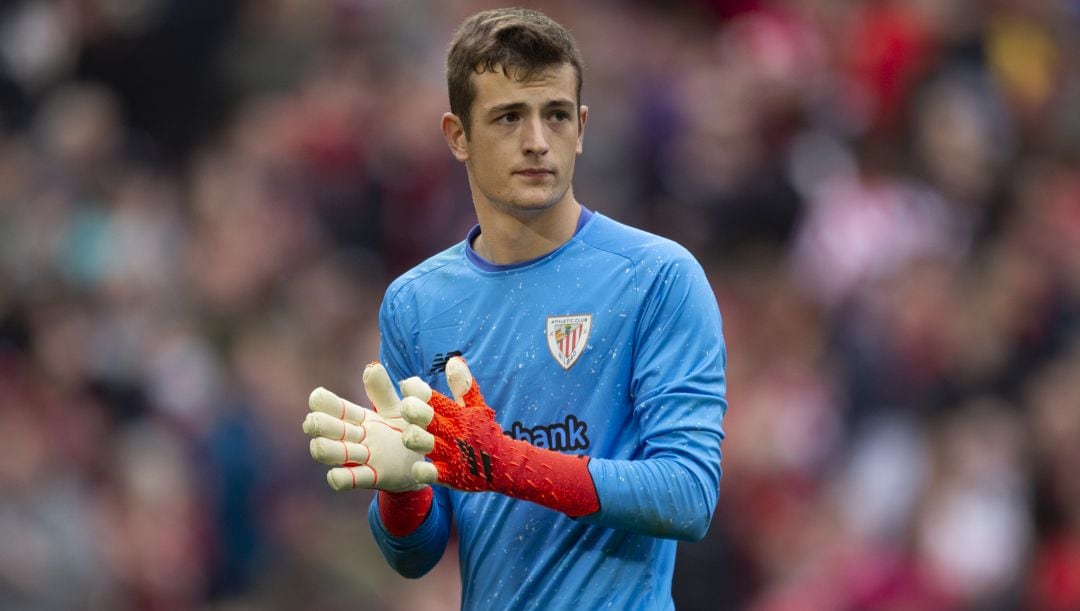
(415, 554)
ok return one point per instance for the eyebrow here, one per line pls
(512, 106)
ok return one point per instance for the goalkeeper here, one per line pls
(582, 438)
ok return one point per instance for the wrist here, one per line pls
(402, 513)
(555, 480)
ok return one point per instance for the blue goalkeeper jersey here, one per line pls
(609, 346)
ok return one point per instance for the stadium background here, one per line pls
(201, 202)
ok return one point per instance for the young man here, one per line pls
(598, 348)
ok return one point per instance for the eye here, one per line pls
(560, 115)
(508, 118)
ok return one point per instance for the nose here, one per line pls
(533, 140)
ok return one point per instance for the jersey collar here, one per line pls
(488, 266)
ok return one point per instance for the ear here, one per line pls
(454, 132)
(583, 114)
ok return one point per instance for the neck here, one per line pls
(507, 238)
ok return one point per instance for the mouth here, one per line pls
(535, 173)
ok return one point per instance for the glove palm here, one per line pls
(363, 445)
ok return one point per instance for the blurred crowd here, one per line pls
(202, 201)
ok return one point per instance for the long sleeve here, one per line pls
(679, 391)
(416, 553)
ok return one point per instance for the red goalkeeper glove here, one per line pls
(468, 450)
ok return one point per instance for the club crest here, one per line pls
(567, 337)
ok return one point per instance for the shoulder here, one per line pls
(435, 269)
(643, 249)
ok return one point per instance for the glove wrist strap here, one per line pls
(403, 512)
(558, 481)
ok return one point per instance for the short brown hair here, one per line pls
(520, 42)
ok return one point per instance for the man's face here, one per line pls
(523, 140)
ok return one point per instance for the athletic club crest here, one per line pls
(567, 337)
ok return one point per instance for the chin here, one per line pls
(539, 200)
(534, 205)
(528, 204)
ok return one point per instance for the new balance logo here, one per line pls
(571, 434)
(439, 364)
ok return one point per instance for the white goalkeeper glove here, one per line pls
(364, 445)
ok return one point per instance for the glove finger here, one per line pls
(347, 478)
(459, 378)
(434, 448)
(417, 439)
(417, 412)
(425, 473)
(427, 416)
(380, 391)
(331, 452)
(415, 387)
(322, 400)
(318, 424)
